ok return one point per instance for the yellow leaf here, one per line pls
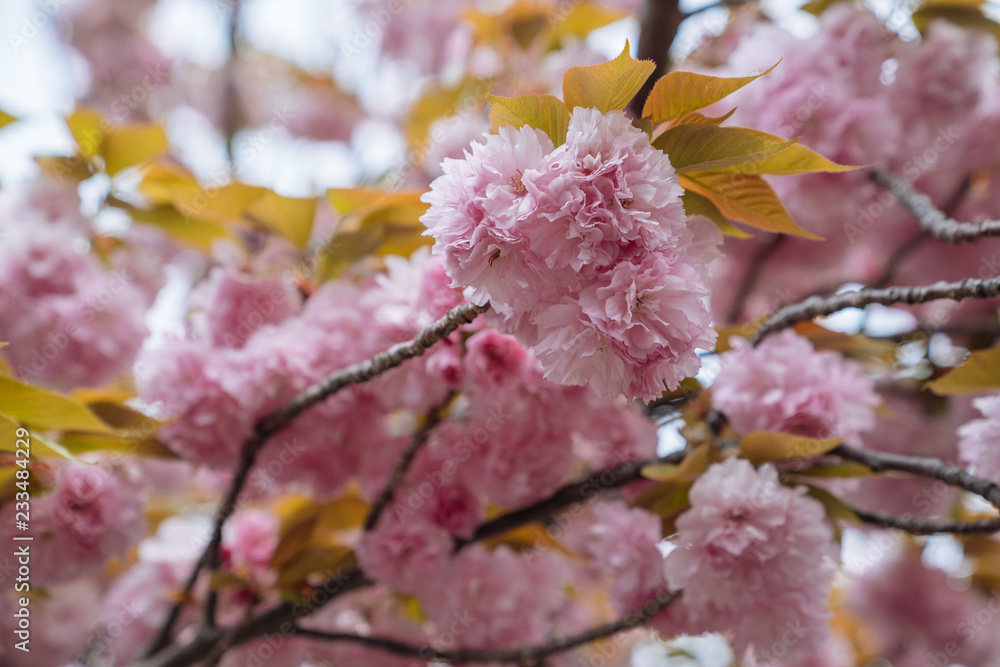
(541, 112)
(584, 18)
(162, 178)
(192, 231)
(842, 469)
(437, 103)
(794, 159)
(318, 559)
(979, 372)
(88, 128)
(696, 148)
(6, 118)
(695, 204)
(138, 445)
(745, 198)
(290, 217)
(42, 409)
(967, 15)
(696, 118)
(59, 168)
(38, 445)
(834, 506)
(764, 446)
(854, 345)
(376, 224)
(678, 93)
(128, 145)
(606, 86)
(688, 470)
(528, 537)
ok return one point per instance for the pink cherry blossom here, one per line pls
(405, 555)
(582, 252)
(89, 516)
(784, 384)
(750, 558)
(620, 542)
(234, 306)
(979, 440)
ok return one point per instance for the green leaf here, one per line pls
(695, 148)
(979, 372)
(695, 204)
(678, 93)
(764, 446)
(745, 198)
(542, 112)
(45, 410)
(606, 86)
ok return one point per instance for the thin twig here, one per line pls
(523, 655)
(751, 277)
(658, 26)
(279, 419)
(598, 482)
(432, 419)
(816, 306)
(931, 219)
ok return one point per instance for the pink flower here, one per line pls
(404, 555)
(919, 611)
(750, 559)
(620, 542)
(582, 252)
(496, 599)
(250, 538)
(979, 440)
(234, 306)
(88, 517)
(61, 624)
(784, 384)
(634, 331)
(69, 321)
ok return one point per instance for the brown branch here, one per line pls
(934, 469)
(751, 277)
(931, 219)
(524, 655)
(816, 306)
(432, 419)
(598, 482)
(658, 26)
(279, 419)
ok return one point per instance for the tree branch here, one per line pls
(659, 23)
(432, 419)
(932, 220)
(279, 419)
(816, 306)
(525, 655)
(934, 469)
(596, 483)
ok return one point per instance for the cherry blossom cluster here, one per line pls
(583, 252)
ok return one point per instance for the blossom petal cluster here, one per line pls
(750, 557)
(784, 384)
(582, 251)
(69, 321)
(89, 516)
(979, 439)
